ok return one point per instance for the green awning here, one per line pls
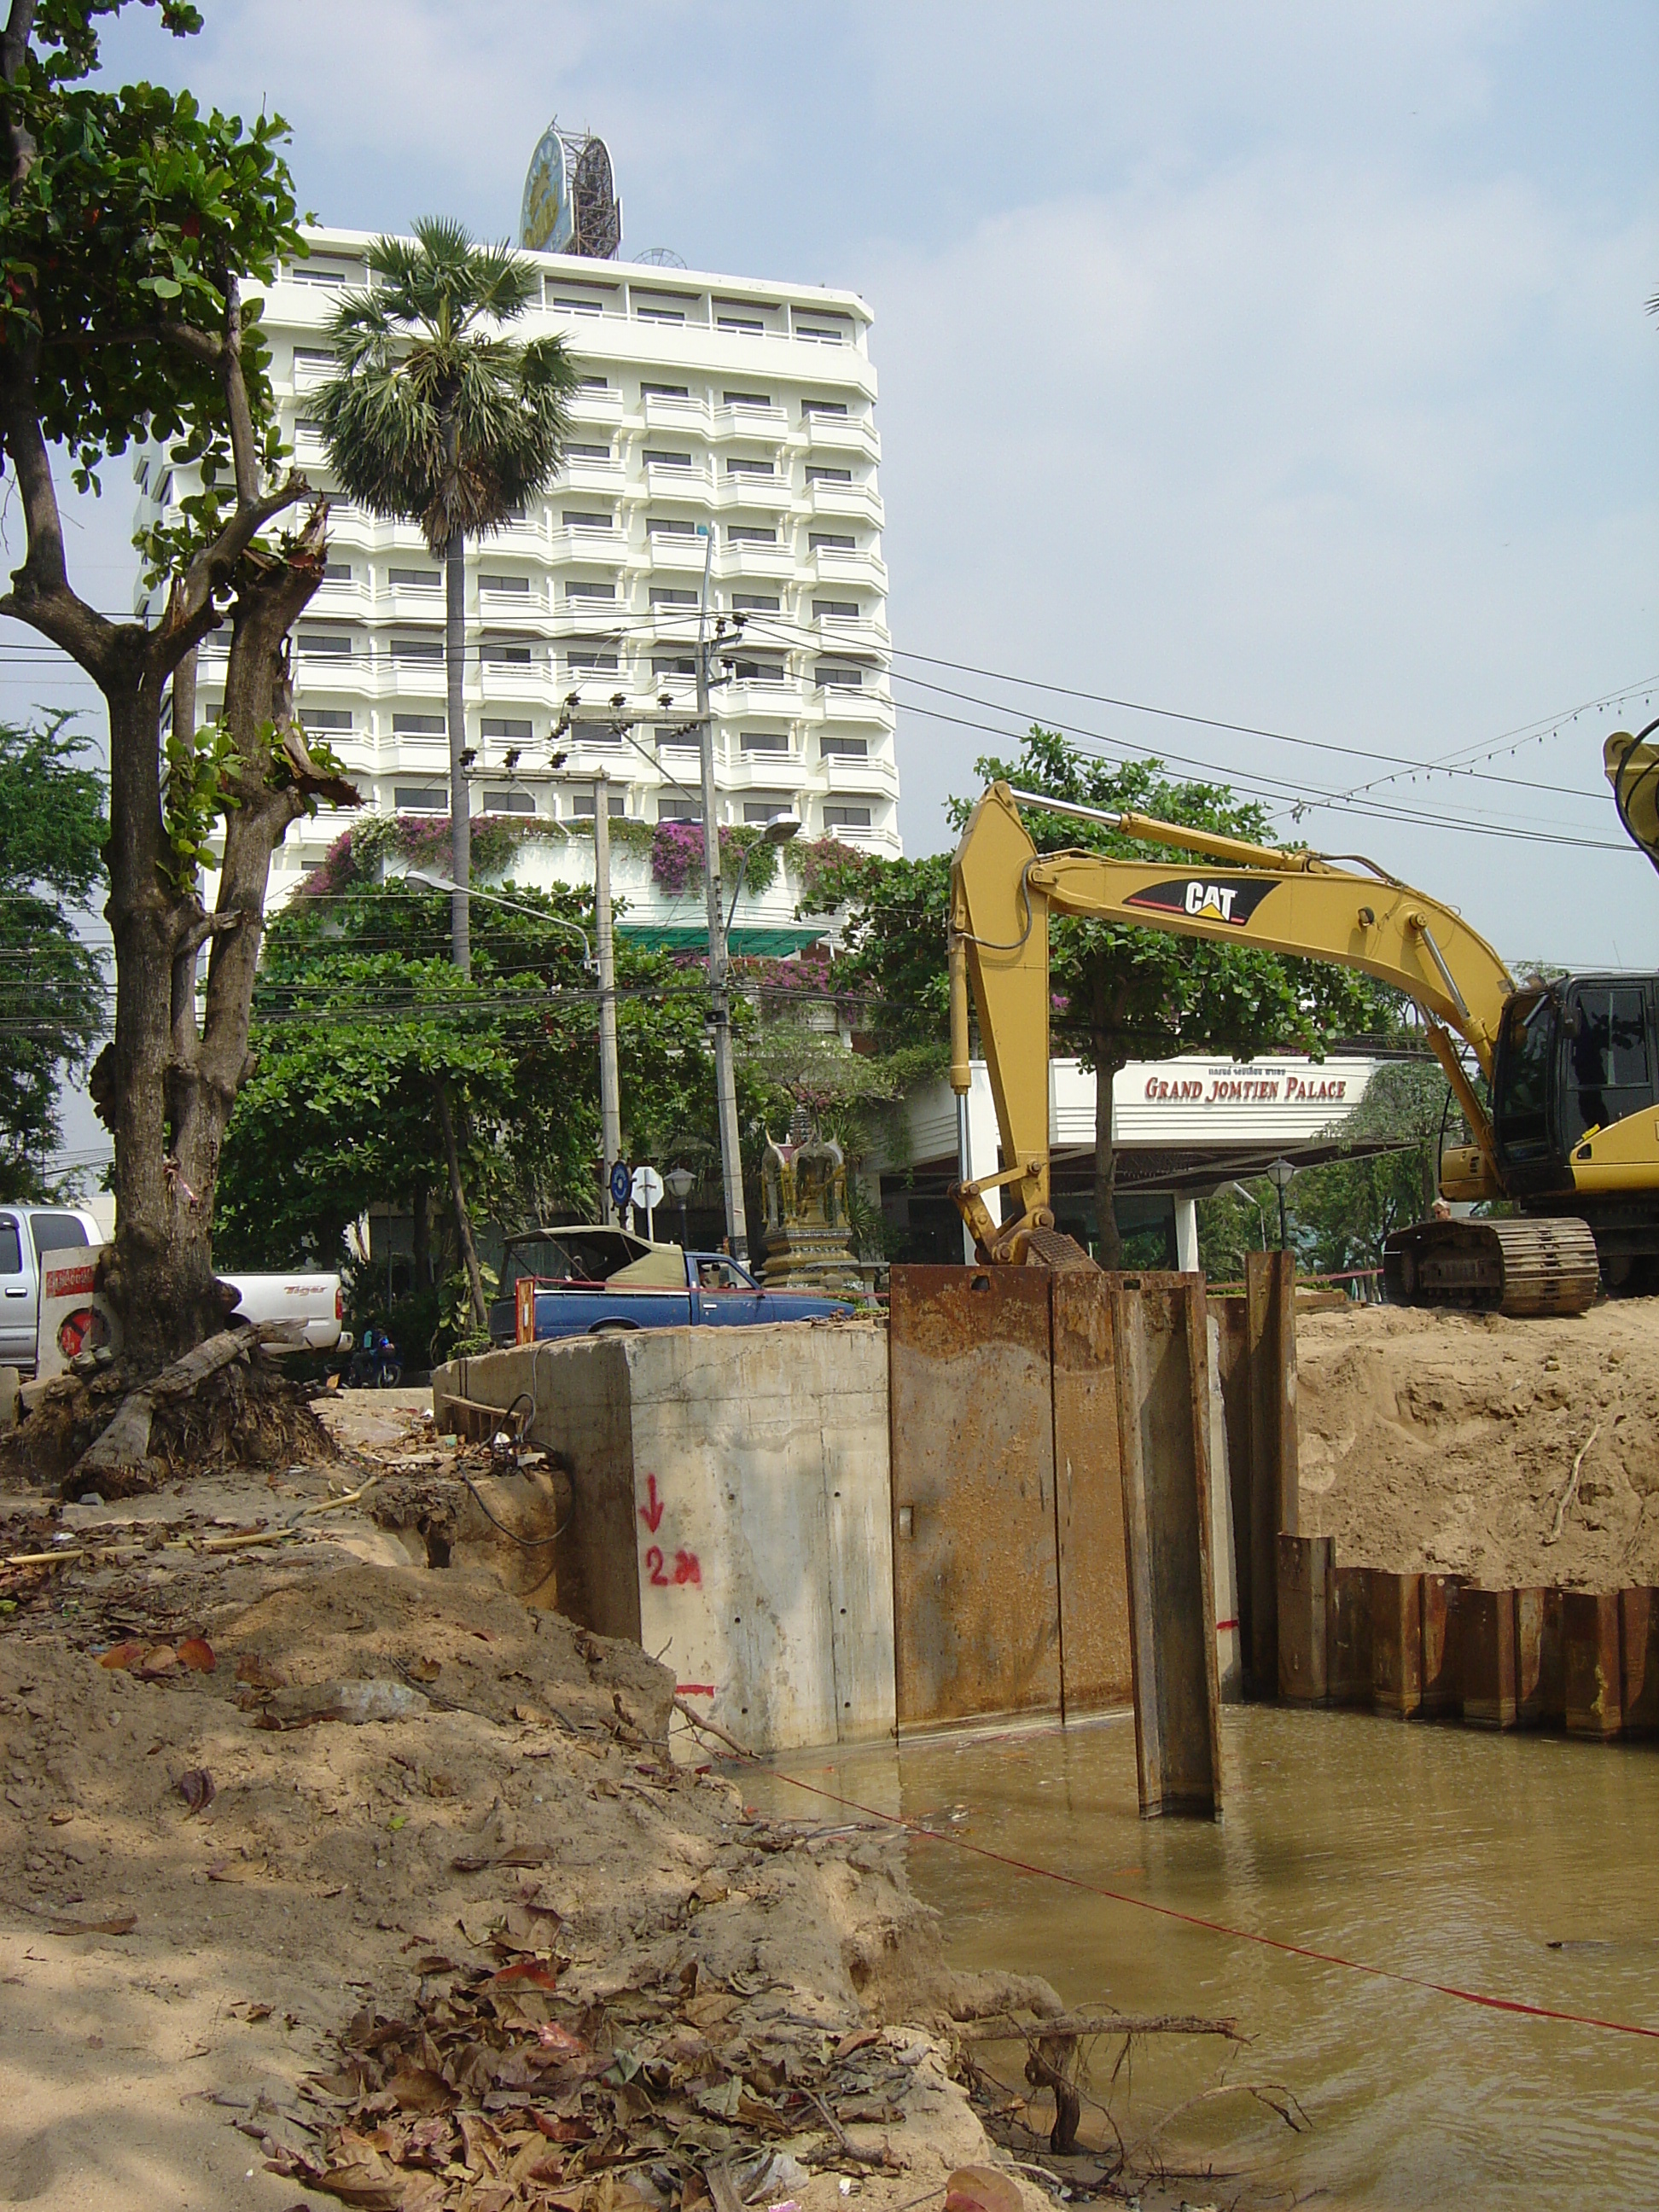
(693, 937)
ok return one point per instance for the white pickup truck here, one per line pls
(313, 1305)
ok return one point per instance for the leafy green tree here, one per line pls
(51, 982)
(131, 222)
(364, 1033)
(1342, 1214)
(436, 418)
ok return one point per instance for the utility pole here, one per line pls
(725, 1083)
(610, 1093)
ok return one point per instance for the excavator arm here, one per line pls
(1003, 891)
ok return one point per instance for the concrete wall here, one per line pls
(730, 1510)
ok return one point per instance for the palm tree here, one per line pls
(433, 416)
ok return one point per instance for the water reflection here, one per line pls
(1520, 1866)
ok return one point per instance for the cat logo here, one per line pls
(1204, 900)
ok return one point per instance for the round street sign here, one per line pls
(647, 1189)
(620, 1180)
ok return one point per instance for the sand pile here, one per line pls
(1448, 1442)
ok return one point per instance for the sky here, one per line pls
(1278, 365)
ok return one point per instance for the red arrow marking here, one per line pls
(651, 1513)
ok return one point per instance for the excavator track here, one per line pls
(1524, 1268)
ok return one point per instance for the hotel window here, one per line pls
(810, 407)
(417, 648)
(749, 533)
(488, 582)
(499, 652)
(664, 390)
(574, 452)
(832, 541)
(316, 272)
(673, 664)
(740, 466)
(745, 668)
(337, 572)
(757, 811)
(582, 656)
(815, 474)
(745, 399)
(656, 460)
(750, 325)
(654, 311)
(846, 818)
(325, 718)
(509, 802)
(414, 580)
(418, 725)
(755, 603)
(832, 677)
(578, 588)
(827, 334)
(671, 595)
(679, 810)
(764, 741)
(574, 307)
(669, 526)
(833, 745)
(578, 518)
(516, 732)
(592, 384)
(834, 610)
(335, 644)
(420, 798)
(313, 360)
(585, 806)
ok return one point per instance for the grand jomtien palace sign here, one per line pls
(1285, 1100)
(1236, 1088)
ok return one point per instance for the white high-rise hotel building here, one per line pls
(707, 403)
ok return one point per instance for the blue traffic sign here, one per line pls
(620, 1180)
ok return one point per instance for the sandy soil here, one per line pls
(1448, 1442)
(260, 1967)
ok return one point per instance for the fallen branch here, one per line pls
(1571, 1490)
(126, 1443)
(1008, 2027)
(844, 2142)
(712, 1727)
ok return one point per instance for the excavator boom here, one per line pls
(1003, 891)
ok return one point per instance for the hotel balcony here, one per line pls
(768, 425)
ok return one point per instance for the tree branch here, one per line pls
(19, 146)
(190, 612)
(41, 593)
(201, 345)
(243, 445)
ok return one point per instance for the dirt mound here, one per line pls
(1447, 1441)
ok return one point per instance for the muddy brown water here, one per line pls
(1522, 1867)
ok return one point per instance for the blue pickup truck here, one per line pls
(587, 1281)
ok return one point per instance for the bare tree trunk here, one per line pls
(457, 1200)
(421, 1234)
(1109, 1058)
(460, 800)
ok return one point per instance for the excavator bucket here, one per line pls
(1632, 769)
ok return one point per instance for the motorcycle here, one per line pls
(374, 1364)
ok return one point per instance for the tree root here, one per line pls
(227, 1404)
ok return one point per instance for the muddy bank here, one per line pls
(1448, 1442)
(361, 1881)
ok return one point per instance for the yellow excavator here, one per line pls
(1571, 1136)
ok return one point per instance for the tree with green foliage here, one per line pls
(132, 221)
(365, 1035)
(52, 981)
(436, 418)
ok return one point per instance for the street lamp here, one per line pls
(678, 1182)
(1249, 1200)
(554, 920)
(1279, 1174)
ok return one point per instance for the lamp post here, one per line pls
(679, 1182)
(726, 1084)
(1279, 1174)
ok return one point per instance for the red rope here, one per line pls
(1241, 1935)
